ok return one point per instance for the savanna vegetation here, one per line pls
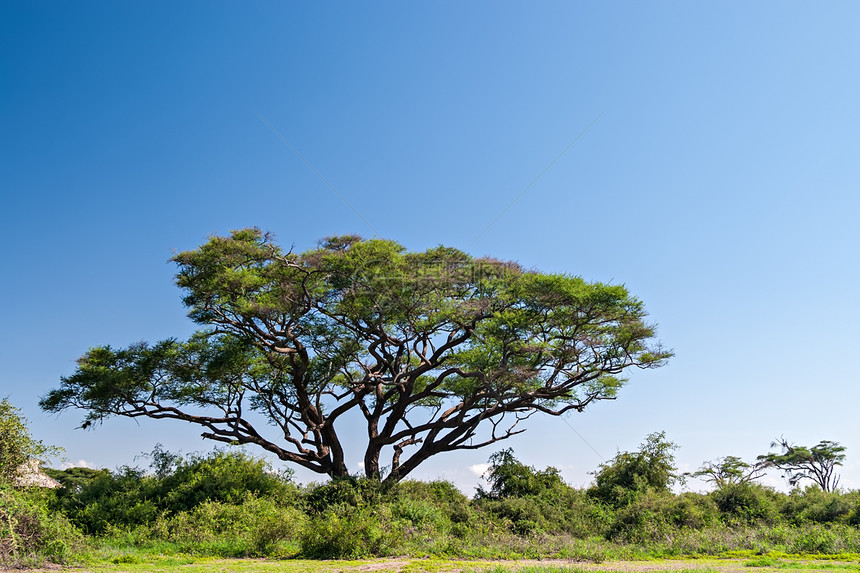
(431, 352)
(229, 504)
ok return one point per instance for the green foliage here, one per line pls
(229, 504)
(110, 500)
(509, 477)
(221, 476)
(17, 447)
(253, 527)
(347, 532)
(74, 480)
(812, 504)
(854, 517)
(531, 501)
(31, 534)
(730, 470)
(346, 492)
(304, 340)
(628, 475)
(435, 498)
(798, 463)
(654, 515)
(747, 503)
(132, 497)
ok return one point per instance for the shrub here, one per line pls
(30, 533)
(442, 495)
(522, 516)
(348, 532)
(254, 528)
(854, 518)
(815, 505)
(222, 476)
(655, 515)
(621, 480)
(509, 477)
(131, 497)
(16, 445)
(349, 491)
(747, 503)
(815, 539)
(124, 498)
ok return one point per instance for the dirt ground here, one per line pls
(438, 566)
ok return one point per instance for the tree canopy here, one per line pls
(817, 463)
(730, 470)
(435, 351)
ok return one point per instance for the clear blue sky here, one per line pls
(719, 182)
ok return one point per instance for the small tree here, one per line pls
(629, 474)
(17, 447)
(730, 470)
(509, 477)
(797, 463)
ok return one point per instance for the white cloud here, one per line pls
(360, 465)
(479, 469)
(78, 464)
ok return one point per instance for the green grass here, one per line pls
(773, 563)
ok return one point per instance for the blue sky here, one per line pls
(717, 180)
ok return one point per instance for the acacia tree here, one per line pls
(730, 470)
(436, 350)
(817, 463)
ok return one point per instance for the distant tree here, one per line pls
(730, 470)
(75, 479)
(437, 351)
(509, 477)
(17, 447)
(629, 474)
(797, 463)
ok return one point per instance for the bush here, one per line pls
(747, 503)
(854, 518)
(255, 528)
(121, 499)
(30, 533)
(509, 477)
(349, 491)
(655, 515)
(17, 447)
(348, 532)
(815, 505)
(221, 476)
(628, 475)
(131, 497)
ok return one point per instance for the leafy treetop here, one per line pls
(817, 463)
(730, 470)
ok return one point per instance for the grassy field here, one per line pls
(758, 564)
